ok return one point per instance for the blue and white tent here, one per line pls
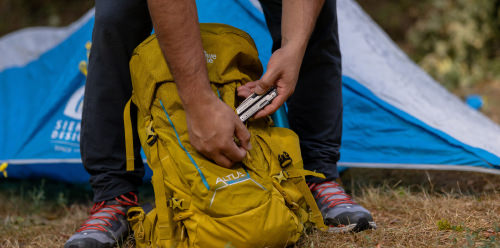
(395, 115)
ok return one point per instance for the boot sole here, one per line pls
(363, 224)
(87, 243)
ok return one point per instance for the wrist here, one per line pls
(197, 98)
(294, 48)
(297, 44)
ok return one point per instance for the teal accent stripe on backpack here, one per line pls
(238, 180)
(218, 94)
(183, 148)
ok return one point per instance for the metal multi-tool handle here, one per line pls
(254, 103)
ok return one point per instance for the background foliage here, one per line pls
(456, 41)
(16, 14)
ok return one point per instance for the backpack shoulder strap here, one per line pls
(129, 137)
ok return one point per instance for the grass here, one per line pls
(418, 219)
(411, 208)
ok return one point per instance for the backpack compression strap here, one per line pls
(164, 214)
(315, 214)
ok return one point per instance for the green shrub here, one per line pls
(458, 41)
(444, 225)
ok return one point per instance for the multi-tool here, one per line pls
(252, 104)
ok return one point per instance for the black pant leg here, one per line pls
(315, 108)
(272, 11)
(119, 27)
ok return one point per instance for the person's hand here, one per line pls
(282, 72)
(212, 126)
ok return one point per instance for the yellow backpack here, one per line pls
(261, 202)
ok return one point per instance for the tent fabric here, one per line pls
(21, 47)
(419, 145)
(395, 115)
(377, 63)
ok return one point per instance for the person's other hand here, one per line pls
(282, 72)
(212, 126)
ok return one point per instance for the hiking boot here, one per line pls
(106, 225)
(339, 211)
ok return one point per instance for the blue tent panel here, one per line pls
(377, 132)
(34, 120)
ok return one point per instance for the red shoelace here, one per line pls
(321, 187)
(111, 209)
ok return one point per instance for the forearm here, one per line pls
(298, 20)
(177, 28)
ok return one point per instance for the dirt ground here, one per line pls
(411, 208)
